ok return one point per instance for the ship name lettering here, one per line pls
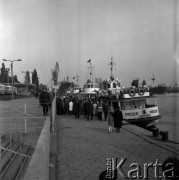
(131, 114)
(153, 111)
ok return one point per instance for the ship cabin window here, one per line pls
(104, 86)
(126, 105)
(109, 85)
(114, 85)
(142, 104)
(115, 104)
(86, 96)
(150, 102)
(132, 105)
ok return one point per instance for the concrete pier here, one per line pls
(83, 148)
(80, 149)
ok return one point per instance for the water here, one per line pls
(169, 109)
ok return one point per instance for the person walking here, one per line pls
(94, 109)
(118, 118)
(89, 109)
(66, 106)
(44, 100)
(100, 110)
(60, 106)
(70, 107)
(77, 108)
(85, 102)
(110, 117)
(105, 110)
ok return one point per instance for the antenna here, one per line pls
(91, 72)
(153, 79)
(112, 63)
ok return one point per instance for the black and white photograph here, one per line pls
(89, 89)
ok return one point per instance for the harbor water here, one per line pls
(169, 109)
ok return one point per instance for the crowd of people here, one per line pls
(91, 109)
(100, 110)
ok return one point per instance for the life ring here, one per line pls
(141, 91)
(132, 92)
(102, 93)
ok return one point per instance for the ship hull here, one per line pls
(158, 90)
(173, 90)
(144, 122)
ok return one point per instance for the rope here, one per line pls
(150, 141)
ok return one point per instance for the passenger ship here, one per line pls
(90, 89)
(138, 106)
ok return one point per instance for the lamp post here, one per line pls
(12, 73)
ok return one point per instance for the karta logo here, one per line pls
(119, 168)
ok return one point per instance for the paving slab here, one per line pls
(84, 146)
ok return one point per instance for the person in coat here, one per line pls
(70, 107)
(77, 108)
(118, 118)
(45, 101)
(89, 110)
(105, 110)
(100, 111)
(110, 117)
(60, 106)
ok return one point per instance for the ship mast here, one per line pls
(90, 69)
(112, 63)
(76, 77)
(153, 79)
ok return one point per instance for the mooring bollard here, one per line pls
(156, 132)
(164, 135)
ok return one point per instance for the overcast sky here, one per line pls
(138, 34)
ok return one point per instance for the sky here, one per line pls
(141, 36)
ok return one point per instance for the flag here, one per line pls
(89, 61)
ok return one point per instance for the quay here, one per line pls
(80, 149)
(84, 147)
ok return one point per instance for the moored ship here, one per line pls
(159, 89)
(137, 104)
(90, 89)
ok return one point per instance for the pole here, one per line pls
(12, 72)
(0, 156)
(12, 79)
(25, 109)
(35, 86)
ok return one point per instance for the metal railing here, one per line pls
(38, 167)
(23, 119)
(53, 113)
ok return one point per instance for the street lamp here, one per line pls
(12, 72)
